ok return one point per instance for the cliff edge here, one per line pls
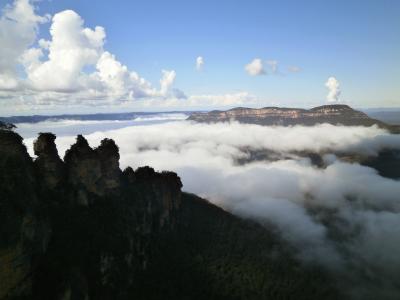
(338, 114)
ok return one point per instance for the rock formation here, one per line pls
(48, 164)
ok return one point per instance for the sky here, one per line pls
(69, 56)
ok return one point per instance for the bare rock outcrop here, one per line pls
(48, 163)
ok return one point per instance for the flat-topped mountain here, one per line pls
(332, 114)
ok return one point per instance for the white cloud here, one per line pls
(18, 29)
(119, 82)
(199, 63)
(71, 48)
(70, 67)
(334, 89)
(255, 67)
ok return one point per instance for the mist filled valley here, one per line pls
(312, 186)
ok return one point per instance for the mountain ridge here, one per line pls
(336, 114)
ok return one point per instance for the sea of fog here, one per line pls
(343, 216)
(67, 127)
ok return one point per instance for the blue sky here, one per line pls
(357, 42)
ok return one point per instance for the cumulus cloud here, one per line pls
(119, 81)
(71, 48)
(339, 216)
(199, 63)
(255, 67)
(18, 29)
(334, 89)
(72, 66)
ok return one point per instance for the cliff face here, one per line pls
(18, 225)
(80, 228)
(332, 114)
(83, 216)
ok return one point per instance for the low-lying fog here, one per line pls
(344, 216)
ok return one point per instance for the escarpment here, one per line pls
(337, 114)
(81, 228)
